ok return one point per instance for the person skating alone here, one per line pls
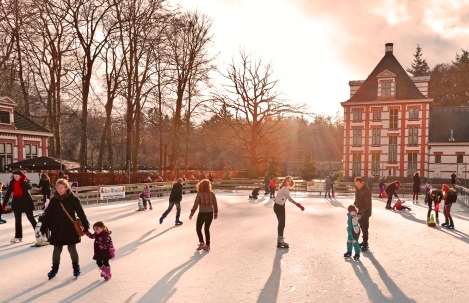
(103, 248)
(22, 202)
(364, 206)
(272, 187)
(369, 183)
(145, 195)
(428, 187)
(450, 196)
(415, 188)
(279, 208)
(63, 205)
(206, 201)
(434, 198)
(353, 232)
(381, 186)
(390, 191)
(328, 187)
(175, 198)
(44, 185)
(255, 193)
(266, 184)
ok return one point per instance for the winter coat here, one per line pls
(61, 227)
(20, 204)
(176, 193)
(391, 189)
(44, 185)
(363, 201)
(328, 184)
(416, 184)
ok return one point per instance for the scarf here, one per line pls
(61, 198)
(17, 188)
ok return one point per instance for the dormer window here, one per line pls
(385, 89)
(386, 85)
(5, 117)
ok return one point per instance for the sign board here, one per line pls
(114, 192)
(316, 185)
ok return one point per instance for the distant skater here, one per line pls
(44, 185)
(328, 187)
(279, 208)
(450, 196)
(353, 232)
(390, 191)
(145, 195)
(255, 193)
(272, 187)
(206, 201)
(103, 248)
(175, 198)
(415, 188)
(428, 187)
(266, 184)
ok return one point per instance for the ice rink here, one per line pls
(407, 262)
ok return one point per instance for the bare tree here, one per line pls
(253, 109)
(189, 39)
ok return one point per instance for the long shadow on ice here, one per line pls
(270, 290)
(165, 287)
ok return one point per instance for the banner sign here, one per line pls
(115, 192)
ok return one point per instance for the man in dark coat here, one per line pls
(364, 205)
(175, 199)
(266, 184)
(390, 191)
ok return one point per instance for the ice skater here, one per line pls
(145, 195)
(2, 209)
(450, 196)
(266, 184)
(328, 187)
(175, 198)
(353, 231)
(44, 185)
(63, 206)
(206, 201)
(364, 207)
(279, 208)
(103, 248)
(255, 193)
(434, 197)
(415, 188)
(390, 191)
(272, 187)
(428, 187)
(399, 205)
(22, 202)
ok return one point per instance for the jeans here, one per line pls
(170, 207)
(72, 249)
(364, 225)
(204, 218)
(19, 226)
(280, 213)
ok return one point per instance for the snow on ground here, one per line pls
(408, 262)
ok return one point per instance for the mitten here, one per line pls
(300, 206)
(112, 252)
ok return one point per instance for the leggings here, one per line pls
(447, 212)
(45, 196)
(19, 226)
(204, 218)
(280, 213)
(430, 202)
(102, 262)
(72, 249)
(415, 196)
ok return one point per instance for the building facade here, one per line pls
(20, 137)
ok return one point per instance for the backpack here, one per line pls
(451, 196)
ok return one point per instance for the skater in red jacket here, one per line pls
(272, 187)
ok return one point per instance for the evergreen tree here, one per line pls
(308, 169)
(419, 66)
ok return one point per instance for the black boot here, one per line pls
(54, 271)
(76, 269)
(348, 254)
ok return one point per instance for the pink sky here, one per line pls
(316, 47)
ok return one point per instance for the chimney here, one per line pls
(388, 47)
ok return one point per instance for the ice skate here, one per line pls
(2, 221)
(54, 271)
(178, 222)
(76, 269)
(161, 219)
(450, 225)
(356, 257)
(365, 247)
(107, 272)
(16, 240)
(201, 246)
(445, 224)
(281, 243)
(101, 271)
(348, 254)
(206, 247)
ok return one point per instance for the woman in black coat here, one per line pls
(61, 227)
(415, 188)
(22, 202)
(44, 185)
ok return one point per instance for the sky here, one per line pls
(316, 47)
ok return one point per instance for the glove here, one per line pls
(300, 206)
(112, 252)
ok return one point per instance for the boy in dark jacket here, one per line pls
(175, 199)
(255, 193)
